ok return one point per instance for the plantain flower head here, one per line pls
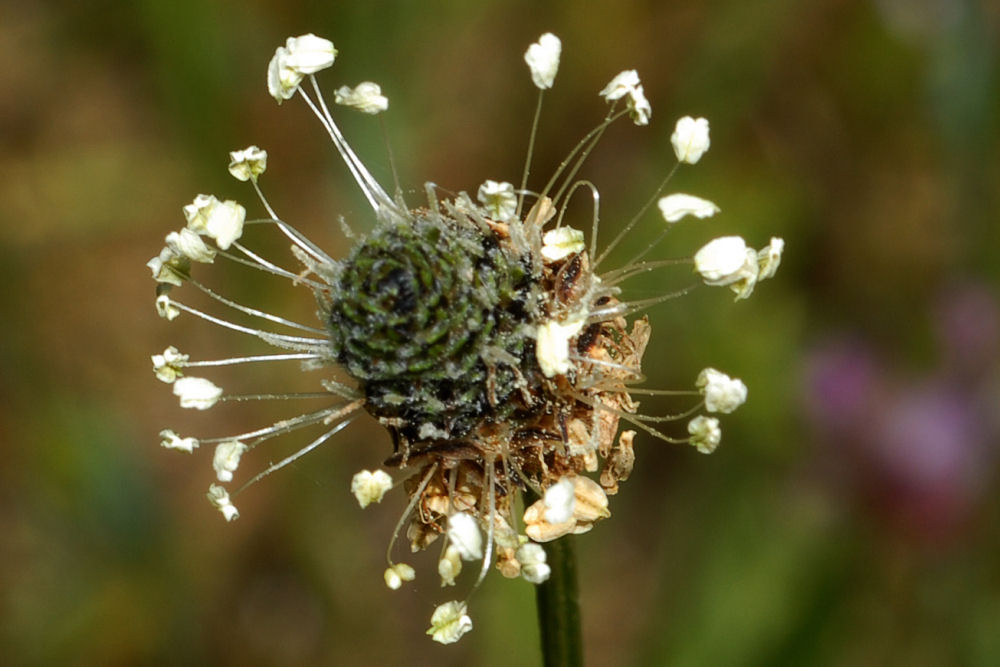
(493, 336)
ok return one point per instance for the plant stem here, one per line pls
(559, 607)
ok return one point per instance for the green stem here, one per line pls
(559, 607)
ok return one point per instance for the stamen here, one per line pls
(246, 360)
(531, 152)
(342, 390)
(604, 384)
(631, 270)
(491, 506)
(376, 188)
(626, 309)
(281, 427)
(262, 264)
(294, 457)
(262, 198)
(584, 147)
(677, 416)
(414, 499)
(297, 237)
(662, 392)
(253, 311)
(376, 196)
(637, 306)
(642, 211)
(630, 418)
(392, 163)
(275, 397)
(597, 205)
(278, 340)
(634, 371)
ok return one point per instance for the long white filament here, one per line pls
(294, 457)
(261, 264)
(414, 499)
(253, 311)
(377, 197)
(279, 428)
(531, 152)
(278, 340)
(293, 234)
(246, 360)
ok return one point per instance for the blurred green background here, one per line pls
(850, 516)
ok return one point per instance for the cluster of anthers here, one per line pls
(479, 333)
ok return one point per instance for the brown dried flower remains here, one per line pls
(561, 427)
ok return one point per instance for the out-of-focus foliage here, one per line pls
(849, 516)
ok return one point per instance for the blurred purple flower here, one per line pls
(919, 452)
(929, 450)
(968, 323)
(842, 381)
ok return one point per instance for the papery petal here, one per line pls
(543, 60)
(369, 487)
(449, 622)
(499, 199)
(219, 498)
(676, 206)
(705, 433)
(197, 393)
(690, 139)
(620, 86)
(366, 97)
(561, 242)
(397, 573)
(171, 440)
(552, 345)
(560, 501)
(188, 244)
(227, 459)
(769, 258)
(248, 163)
(464, 533)
(722, 393)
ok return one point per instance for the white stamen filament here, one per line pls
(491, 506)
(632, 307)
(293, 234)
(531, 152)
(390, 156)
(652, 244)
(583, 148)
(597, 207)
(275, 397)
(262, 264)
(246, 360)
(282, 427)
(414, 499)
(253, 311)
(294, 457)
(635, 219)
(278, 340)
(662, 392)
(635, 371)
(631, 270)
(629, 417)
(374, 193)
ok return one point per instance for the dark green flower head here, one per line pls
(421, 305)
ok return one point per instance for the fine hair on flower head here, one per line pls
(483, 333)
